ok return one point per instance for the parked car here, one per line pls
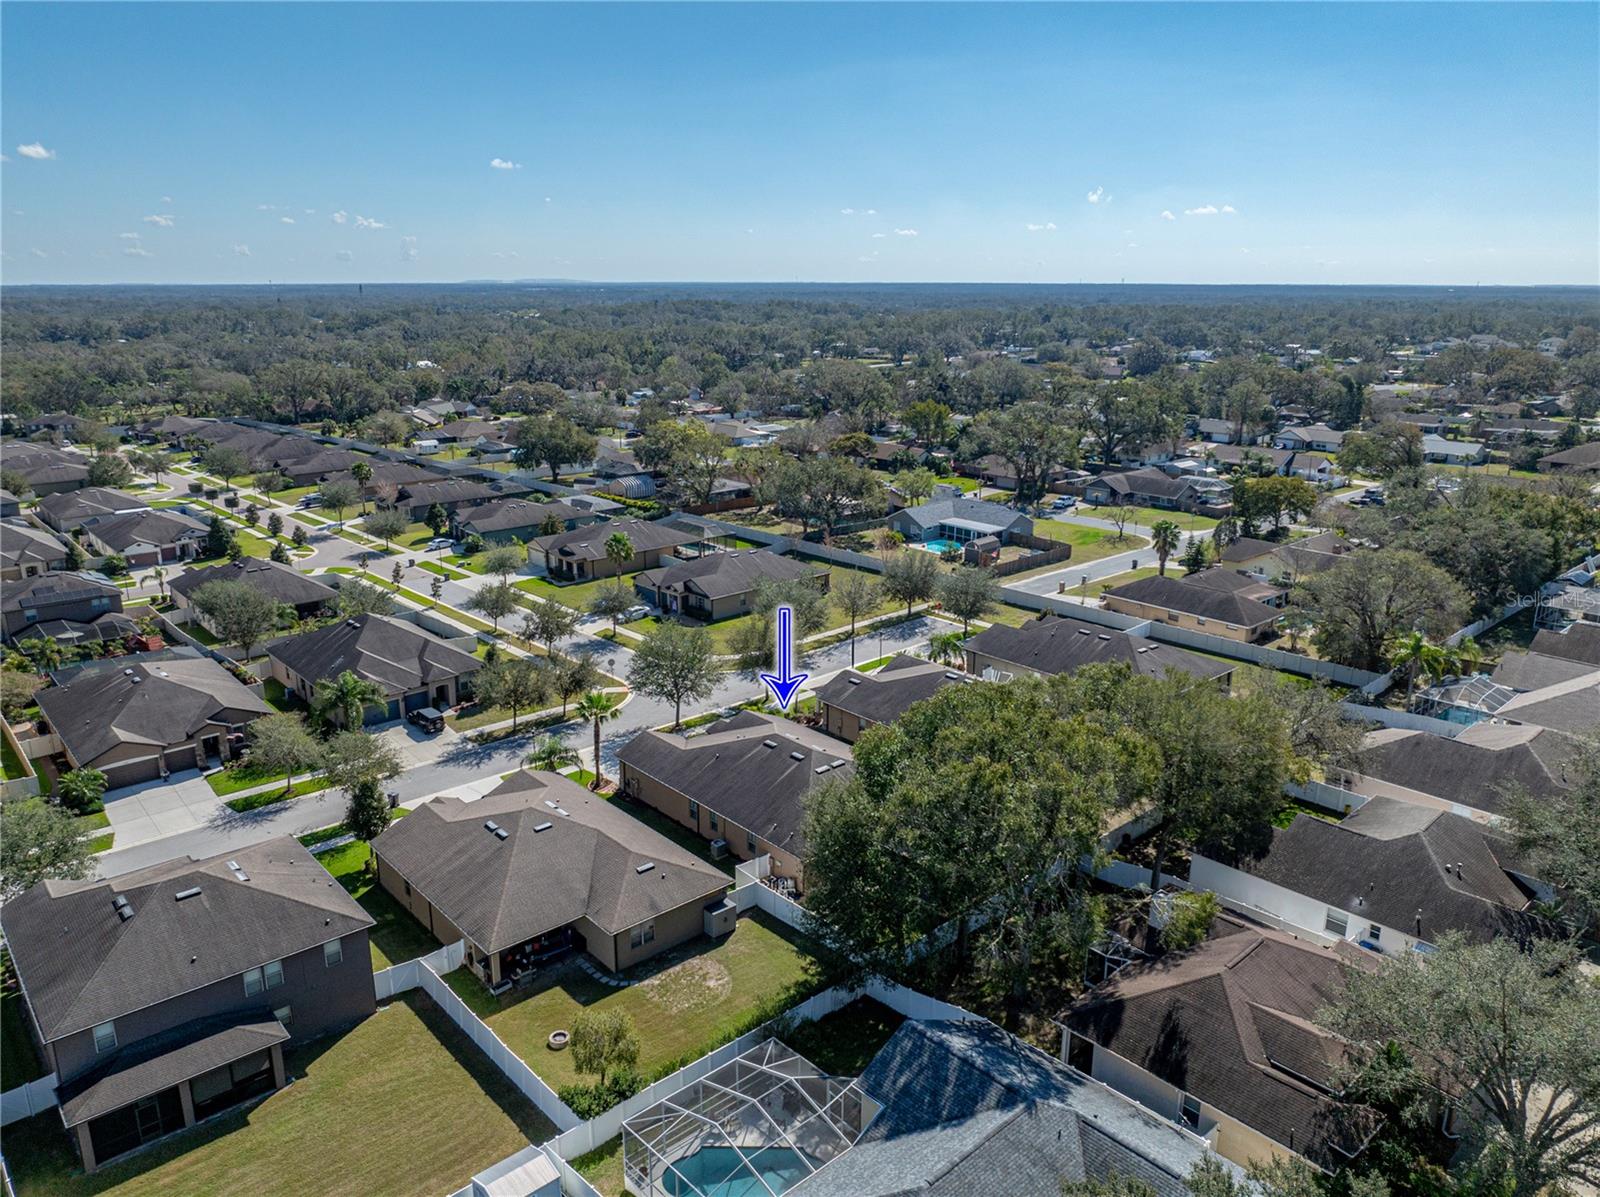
(1064, 502)
(428, 719)
(637, 612)
(311, 500)
(441, 542)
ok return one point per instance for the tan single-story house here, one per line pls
(852, 701)
(722, 585)
(580, 555)
(538, 867)
(1178, 603)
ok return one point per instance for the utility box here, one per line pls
(720, 917)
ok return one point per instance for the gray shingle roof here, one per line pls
(21, 543)
(744, 768)
(146, 527)
(510, 515)
(69, 509)
(939, 511)
(158, 704)
(1386, 862)
(884, 696)
(970, 1111)
(589, 544)
(162, 1061)
(1571, 706)
(55, 588)
(1475, 768)
(1175, 594)
(457, 490)
(81, 964)
(1061, 645)
(585, 863)
(395, 654)
(1579, 642)
(1232, 1021)
(1521, 669)
(721, 575)
(283, 583)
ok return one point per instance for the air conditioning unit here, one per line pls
(719, 849)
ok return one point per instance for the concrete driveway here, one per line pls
(157, 809)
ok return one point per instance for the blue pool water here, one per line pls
(938, 545)
(718, 1172)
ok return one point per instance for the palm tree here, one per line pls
(1469, 656)
(551, 754)
(597, 706)
(619, 551)
(345, 698)
(944, 647)
(161, 580)
(1165, 536)
(362, 473)
(888, 540)
(1415, 653)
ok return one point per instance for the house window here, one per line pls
(1189, 1111)
(268, 976)
(1336, 922)
(284, 1014)
(332, 953)
(105, 1037)
(1375, 933)
(273, 971)
(713, 820)
(750, 841)
(642, 934)
(694, 810)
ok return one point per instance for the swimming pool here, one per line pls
(719, 1172)
(938, 545)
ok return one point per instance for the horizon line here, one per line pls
(580, 282)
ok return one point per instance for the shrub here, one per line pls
(590, 1101)
(1190, 920)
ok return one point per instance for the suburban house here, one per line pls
(398, 474)
(28, 552)
(306, 463)
(1273, 561)
(1056, 644)
(1392, 876)
(967, 1108)
(283, 584)
(1469, 773)
(141, 721)
(1221, 432)
(52, 597)
(453, 493)
(1249, 458)
(1317, 437)
(1223, 1038)
(483, 433)
(514, 521)
(853, 701)
(994, 470)
(413, 668)
(1580, 459)
(1577, 642)
(10, 505)
(162, 997)
(742, 785)
(1239, 584)
(71, 510)
(741, 435)
(580, 555)
(1181, 603)
(145, 538)
(46, 469)
(956, 520)
(1156, 488)
(540, 866)
(721, 585)
(1441, 451)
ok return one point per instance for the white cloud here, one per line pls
(408, 248)
(344, 255)
(129, 236)
(1203, 210)
(286, 220)
(137, 251)
(166, 199)
(363, 222)
(1095, 196)
(547, 199)
(870, 212)
(38, 253)
(1167, 215)
(266, 207)
(34, 150)
(504, 164)
(340, 216)
(1048, 226)
(905, 232)
(1229, 210)
(507, 254)
(242, 251)
(847, 211)
(311, 211)
(879, 236)
(161, 220)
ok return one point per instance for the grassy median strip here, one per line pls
(251, 802)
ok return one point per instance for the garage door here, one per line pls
(132, 772)
(415, 702)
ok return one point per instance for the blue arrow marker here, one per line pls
(785, 682)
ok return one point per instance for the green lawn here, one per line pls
(844, 1042)
(444, 571)
(402, 1105)
(1096, 589)
(1148, 516)
(249, 802)
(99, 821)
(571, 594)
(11, 765)
(397, 935)
(602, 1168)
(684, 1002)
(240, 777)
(279, 698)
(1088, 544)
(422, 600)
(19, 1062)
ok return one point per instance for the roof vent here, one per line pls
(127, 673)
(562, 811)
(350, 623)
(546, 826)
(1085, 632)
(838, 764)
(1104, 636)
(133, 681)
(122, 907)
(238, 873)
(820, 769)
(501, 833)
(234, 865)
(797, 756)
(855, 681)
(551, 805)
(645, 867)
(769, 743)
(184, 894)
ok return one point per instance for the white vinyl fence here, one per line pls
(27, 1100)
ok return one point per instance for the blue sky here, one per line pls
(1381, 143)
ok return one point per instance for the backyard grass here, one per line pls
(683, 1003)
(1149, 516)
(11, 765)
(19, 1062)
(279, 698)
(676, 832)
(1293, 806)
(844, 1042)
(602, 1168)
(401, 1105)
(396, 935)
(1012, 617)
(249, 802)
(1088, 544)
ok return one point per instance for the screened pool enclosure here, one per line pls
(755, 1127)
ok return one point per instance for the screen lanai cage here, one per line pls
(755, 1127)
